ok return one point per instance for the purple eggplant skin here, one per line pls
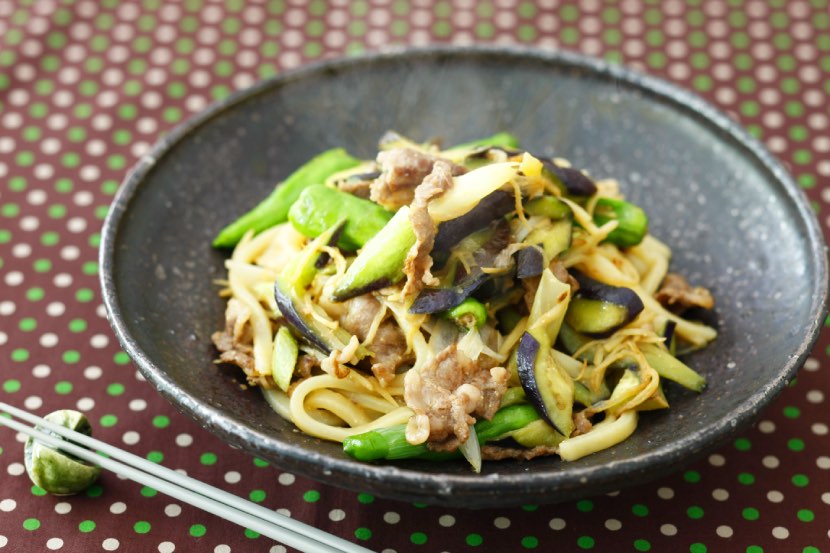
(289, 312)
(491, 207)
(526, 356)
(575, 182)
(530, 262)
(619, 295)
(435, 300)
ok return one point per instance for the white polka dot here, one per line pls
(44, 171)
(131, 437)
(3, 337)
(446, 520)
(63, 507)
(146, 125)
(62, 280)
(137, 405)
(173, 510)
(724, 531)
(391, 517)
(118, 507)
(3, 541)
(21, 250)
(41, 371)
(49, 340)
(54, 543)
(336, 515)
(770, 461)
(33, 402)
(719, 494)
(14, 278)
(557, 523)
(819, 429)
(110, 544)
(7, 307)
(76, 224)
(823, 462)
(717, 460)
(101, 122)
(70, 253)
(613, 524)
(668, 529)
(278, 549)
(286, 479)
(774, 496)
(85, 404)
(184, 440)
(7, 144)
(167, 547)
(284, 512)
(57, 121)
(232, 477)
(222, 548)
(8, 505)
(780, 533)
(16, 469)
(55, 309)
(767, 427)
(93, 373)
(815, 396)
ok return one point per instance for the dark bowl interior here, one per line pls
(734, 219)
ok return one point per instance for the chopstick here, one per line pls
(279, 527)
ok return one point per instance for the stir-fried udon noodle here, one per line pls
(477, 301)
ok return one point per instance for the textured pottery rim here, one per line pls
(541, 485)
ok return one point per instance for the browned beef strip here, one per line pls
(403, 170)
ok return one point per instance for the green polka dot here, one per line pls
(10, 210)
(795, 444)
(743, 444)
(585, 505)
(642, 545)
(94, 491)
(257, 496)
(702, 82)
(121, 358)
(71, 356)
(261, 463)
(208, 458)
(810, 549)
(311, 496)
(20, 355)
(418, 538)
(86, 526)
(155, 456)
(161, 421)
(697, 548)
(5, 236)
(90, 268)
(42, 265)
(746, 478)
(63, 387)
(754, 549)
(57, 211)
(691, 476)
(198, 530)
(362, 533)
(805, 515)
(115, 389)
(474, 540)
(250, 534)
(31, 524)
(585, 542)
(639, 510)
(38, 491)
(84, 295)
(11, 386)
(17, 184)
(694, 512)
(63, 186)
(49, 238)
(800, 480)
(750, 513)
(365, 498)
(27, 324)
(420, 505)
(108, 421)
(141, 527)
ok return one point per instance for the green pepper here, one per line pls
(390, 443)
(470, 313)
(55, 471)
(274, 209)
(319, 207)
(633, 221)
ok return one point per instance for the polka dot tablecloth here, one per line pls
(85, 88)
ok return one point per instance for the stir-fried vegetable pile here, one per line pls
(476, 300)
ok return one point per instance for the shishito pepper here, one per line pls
(274, 209)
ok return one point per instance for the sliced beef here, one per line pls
(678, 295)
(446, 393)
(403, 169)
(388, 344)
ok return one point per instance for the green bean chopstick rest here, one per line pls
(55, 471)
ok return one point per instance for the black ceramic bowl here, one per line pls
(736, 222)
